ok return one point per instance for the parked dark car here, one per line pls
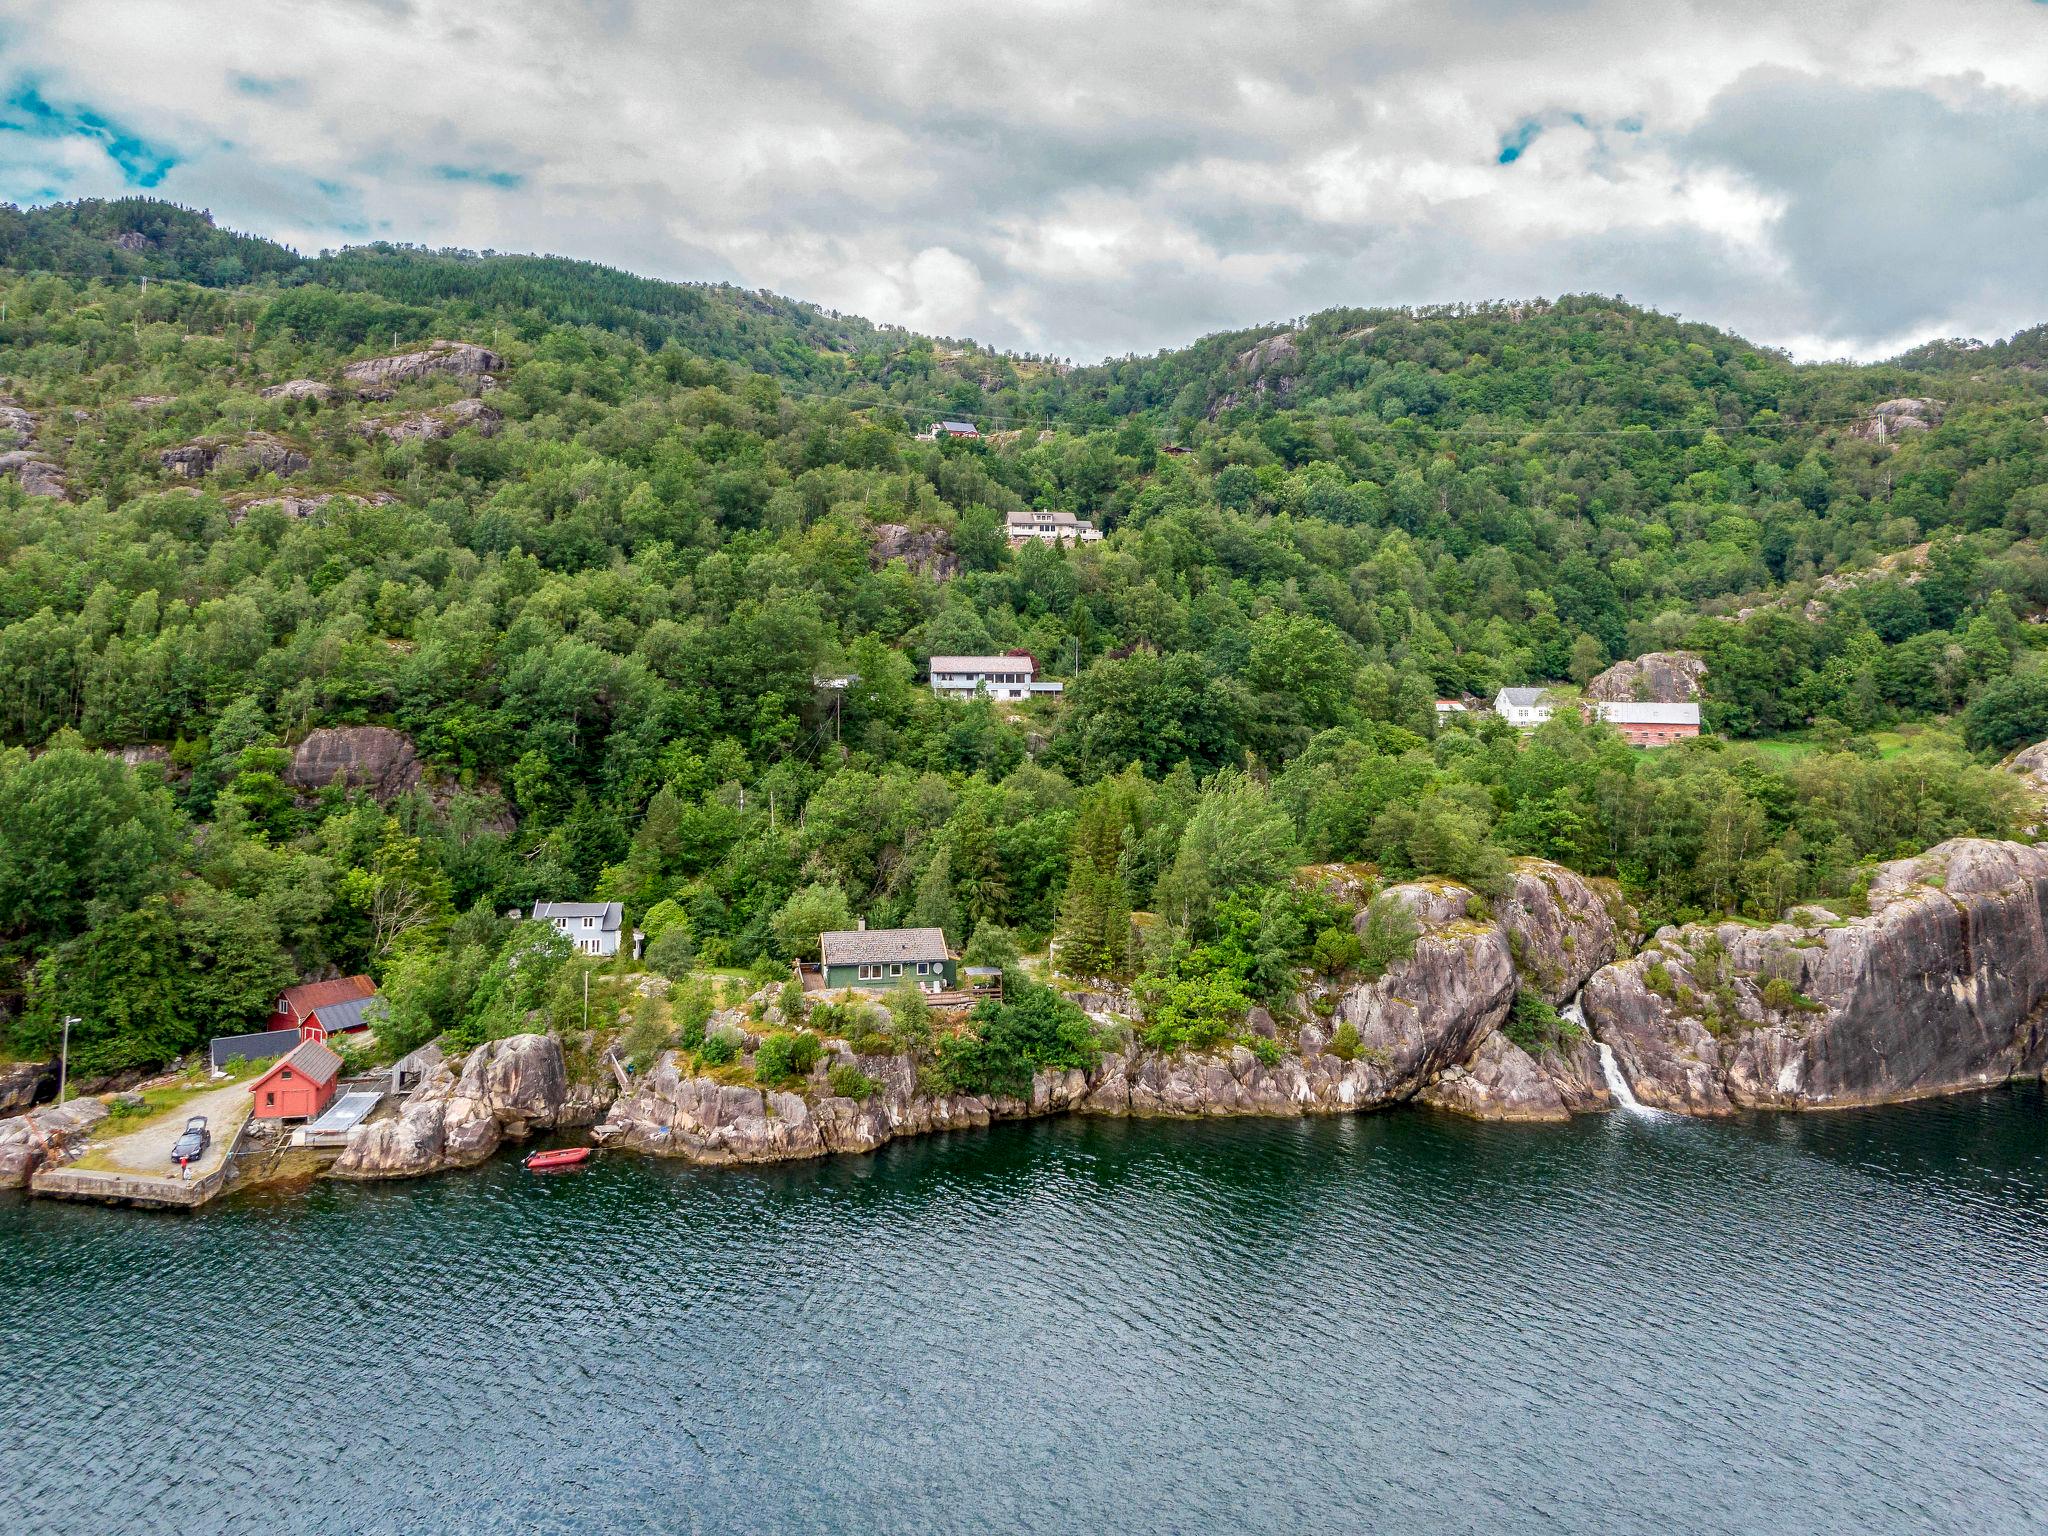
(191, 1146)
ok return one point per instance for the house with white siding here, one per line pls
(997, 677)
(1524, 708)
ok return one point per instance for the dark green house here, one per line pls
(883, 958)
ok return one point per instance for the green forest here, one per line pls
(602, 595)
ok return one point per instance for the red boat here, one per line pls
(561, 1157)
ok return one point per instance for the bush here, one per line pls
(1345, 1044)
(1537, 1027)
(786, 1056)
(672, 954)
(849, 1082)
(1194, 1013)
(1780, 996)
(1033, 1027)
(1267, 1050)
(719, 1048)
(1336, 951)
(1657, 977)
(1389, 938)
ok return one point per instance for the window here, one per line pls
(285, 1076)
(923, 968)
(269, 1101)
(590, 922)
(896, 969)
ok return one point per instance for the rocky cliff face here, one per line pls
(457, 357)
(299, 389)
(23, 1082)
(1660, 677)
(508, 1089)
(926, 551)
(370, 757)
(1940, 989)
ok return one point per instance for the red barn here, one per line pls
(298, 1086)
(317, 1009)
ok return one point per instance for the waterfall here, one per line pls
(1624, 1096)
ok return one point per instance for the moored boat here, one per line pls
(560, 1157)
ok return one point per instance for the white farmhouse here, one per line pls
(1525, 708)
(999, 677)
(1050, 528)
(593, 927)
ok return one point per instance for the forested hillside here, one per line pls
(598, 577)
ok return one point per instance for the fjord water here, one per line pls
(1395, 1322)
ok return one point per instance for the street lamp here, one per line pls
(64, 1061)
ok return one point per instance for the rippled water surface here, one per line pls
(1400, 1322)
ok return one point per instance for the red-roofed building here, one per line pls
(317, 1009)
(298, 1086)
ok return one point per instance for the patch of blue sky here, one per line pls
(479, 173)
(1523, 135)
(26, 111)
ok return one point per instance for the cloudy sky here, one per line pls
(1119, 175)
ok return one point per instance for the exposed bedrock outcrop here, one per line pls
(299, 389)
(1659, 677)
(927, 551)
(1941, 988)
(507, 1090)
(263, 452)
(442, 421)
(46, 1135)
(38, 476)
(371, 757)
(457, 357)
(23, 1082)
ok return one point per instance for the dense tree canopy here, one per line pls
(609, 626)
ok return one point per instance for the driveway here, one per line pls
(147, 1148)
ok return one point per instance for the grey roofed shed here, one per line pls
(353, 1013)
(256, 1047)
(870, 946)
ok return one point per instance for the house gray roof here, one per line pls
(1522, 698)
(612, 913)
(350, 1013)
(313, 1060)
(1649, 713)
(870, 945)
(957, 426)
(269, 1042)
(983, 664)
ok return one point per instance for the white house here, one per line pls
(594, 927)
(1446, 708)
(1050, 528)
(1524, 707)
(1000, 677)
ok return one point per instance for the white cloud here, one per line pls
(1090, 178)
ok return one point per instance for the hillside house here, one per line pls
(1447, 709)
(999, 677)
(317, 1009)
(591, 927)
(881, 958)
(1652, 725)
(955, 429)
(297, 1086)
(1524, 708)
(1042, 527)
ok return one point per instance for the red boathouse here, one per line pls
(298, 1086)
(317, 1009)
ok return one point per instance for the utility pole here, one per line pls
(64, 1061)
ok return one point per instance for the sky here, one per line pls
(1091, 179)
